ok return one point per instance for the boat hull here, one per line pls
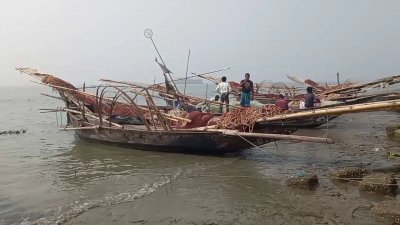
(182, 141)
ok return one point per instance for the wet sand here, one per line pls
(248, 190)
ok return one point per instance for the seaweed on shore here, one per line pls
(10, 132)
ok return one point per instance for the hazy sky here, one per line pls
(84, 40)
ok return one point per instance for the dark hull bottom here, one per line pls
(195, 144)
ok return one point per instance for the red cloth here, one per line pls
(283, 104)
(199, 119)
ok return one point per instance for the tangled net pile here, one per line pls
(49, 79)
(244, 118)
(198, 119)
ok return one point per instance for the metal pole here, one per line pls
(195, 74)
(207, 91)
(159, 55)
(337, 76)
(148, 33)
(187, 68)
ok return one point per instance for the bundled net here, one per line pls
(49, 79)
(198, 119)
(235, 86)
(244, 118)
(119, 108)
(315, 85)
(270, 110)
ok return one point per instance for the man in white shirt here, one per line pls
(223, 89)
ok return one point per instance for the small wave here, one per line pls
(65, 213)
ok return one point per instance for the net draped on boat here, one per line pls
(245, 118)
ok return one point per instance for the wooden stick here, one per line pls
(80, 128)
(141, 114)
(151, 104)
(88, 94)
(274, 136)
(168, 116)
(197, 99)
(51, 96)
(91, 116)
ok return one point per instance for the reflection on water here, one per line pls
(48, 175)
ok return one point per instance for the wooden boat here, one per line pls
(184, 141)
(90, 116)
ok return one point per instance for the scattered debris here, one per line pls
(379, 183)
(393, 155)
(348, 174)
(389, 210)
(22, 131)
(393, 131)
(307, 182)
(376, 149)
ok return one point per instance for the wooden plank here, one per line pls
(80, 128)
(274, 136)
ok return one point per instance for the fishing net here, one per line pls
(235, 86)
(49, 79)
(244, 118)
(198, 119)
(270, 110)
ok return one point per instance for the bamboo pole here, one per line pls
(197, 99)
(51, 96)
(80, 128)
(88, 94)
(338, 110)
(141, 114)
(91, 116)
(151, 116)
(151, 104)
(376, 106)
(274, 136)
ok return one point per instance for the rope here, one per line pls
(276, 157)
(312, 171)
(57, 118)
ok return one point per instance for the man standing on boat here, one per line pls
(310, 98)
(223, 89)
(247, 93)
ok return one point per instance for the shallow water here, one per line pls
(50, 176)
